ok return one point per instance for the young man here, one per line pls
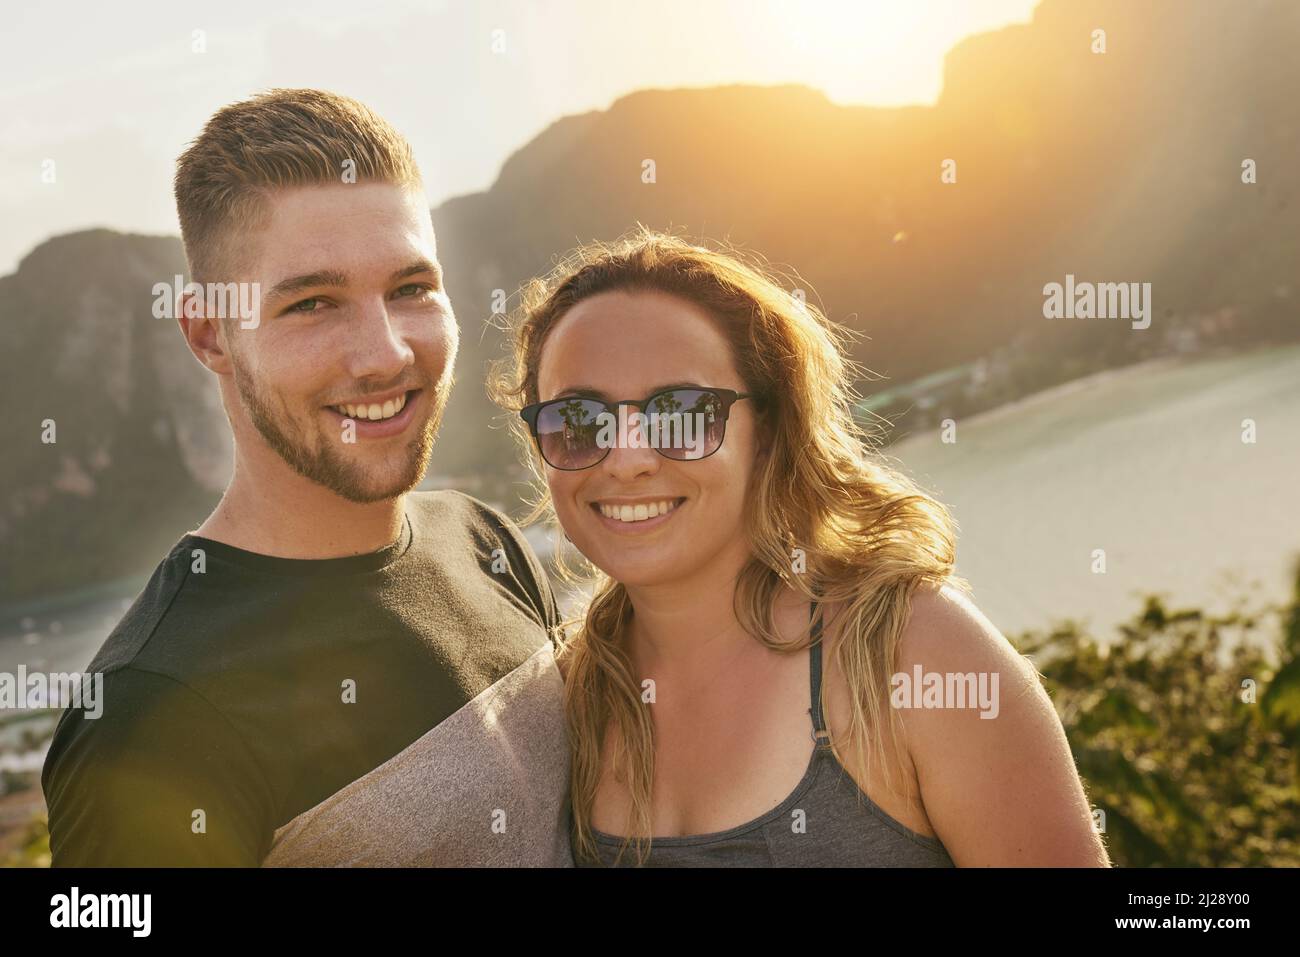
(332, 669)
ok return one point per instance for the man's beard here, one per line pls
(323, 464)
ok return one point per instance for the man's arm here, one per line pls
(159, 779)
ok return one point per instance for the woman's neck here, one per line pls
(690, 625)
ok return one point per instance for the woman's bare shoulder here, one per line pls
(945, 625)
(996, 773)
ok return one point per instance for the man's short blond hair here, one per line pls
(279, 138)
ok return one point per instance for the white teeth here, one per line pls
(639, 512)
(373, 410)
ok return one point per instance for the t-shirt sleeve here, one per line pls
(528, 570)
(159, 779)
(539, 583)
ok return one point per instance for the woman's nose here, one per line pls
(632, 453)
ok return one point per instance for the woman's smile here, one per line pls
(628, 516)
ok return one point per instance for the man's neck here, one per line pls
(289, 516)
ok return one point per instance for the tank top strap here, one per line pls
(819, 734)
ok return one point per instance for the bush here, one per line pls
(1186, 732)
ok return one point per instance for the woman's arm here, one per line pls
(1002, 790)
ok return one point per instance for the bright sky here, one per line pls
(112, 92)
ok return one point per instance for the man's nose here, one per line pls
(379, 347)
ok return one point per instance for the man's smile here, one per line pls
(381, 415)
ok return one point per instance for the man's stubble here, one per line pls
(323, 464)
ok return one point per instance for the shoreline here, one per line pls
(1092, 379)
(1154, 364)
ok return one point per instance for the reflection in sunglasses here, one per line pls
(656, 430)
(683, 424)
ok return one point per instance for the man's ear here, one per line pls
(203, 334)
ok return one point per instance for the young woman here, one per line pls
(769, 593)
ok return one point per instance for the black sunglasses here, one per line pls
(572, 433)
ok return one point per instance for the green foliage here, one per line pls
(32, 847)
(1190, 768)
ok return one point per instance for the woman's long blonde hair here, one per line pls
(824, 514)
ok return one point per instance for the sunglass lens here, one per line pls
(691, 423)
(567, 433)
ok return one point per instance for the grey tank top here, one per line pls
(826, 821)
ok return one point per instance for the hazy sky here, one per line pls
(113, 92)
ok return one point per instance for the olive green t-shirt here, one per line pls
(401, 707)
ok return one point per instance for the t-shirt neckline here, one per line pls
(305, 567)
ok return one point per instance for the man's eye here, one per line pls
(298, 306)
(418, 287)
